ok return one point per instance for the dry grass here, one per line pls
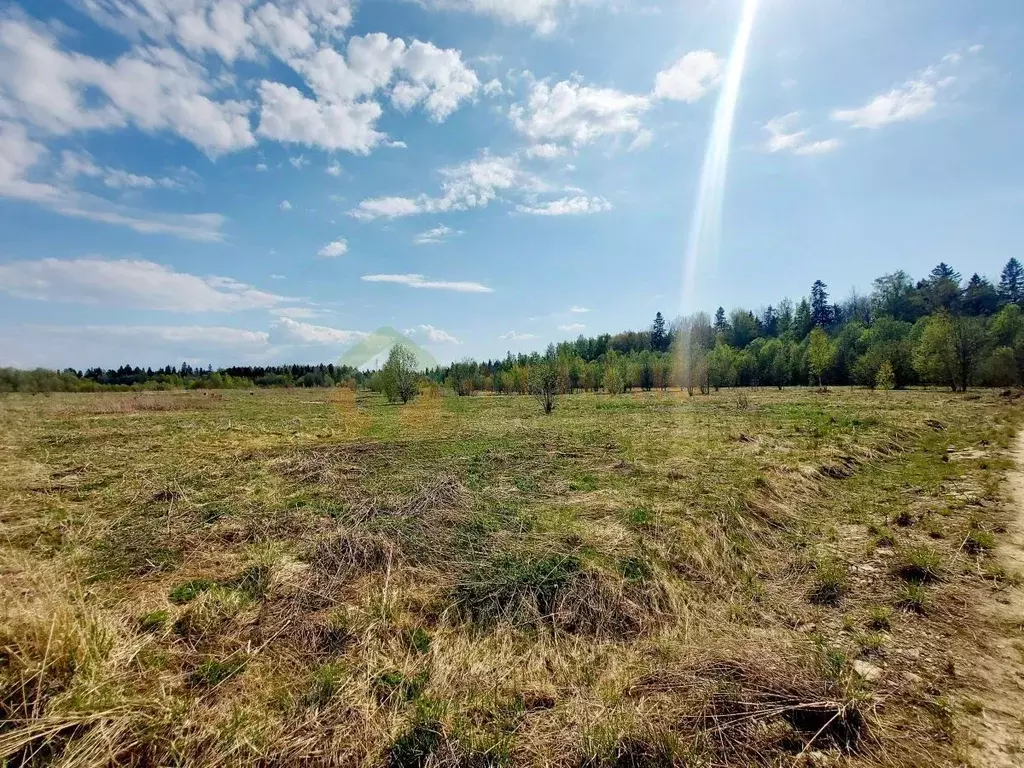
(633, 581)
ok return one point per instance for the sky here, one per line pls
(267, 181)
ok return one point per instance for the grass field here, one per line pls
(301, 577)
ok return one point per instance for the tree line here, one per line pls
(938, 330)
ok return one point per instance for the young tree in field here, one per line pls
(821, 355)
(949, 350)
(886, 378)
(614, 382)
(544, 383)
(399, 378)
(1011, 283)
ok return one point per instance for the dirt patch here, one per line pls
(998, 729)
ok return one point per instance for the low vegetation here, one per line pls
(787, 578)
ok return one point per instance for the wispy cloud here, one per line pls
(438, 234)
(572, 327)
(126, 283)
(419, 281)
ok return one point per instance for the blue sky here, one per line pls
(264, 181)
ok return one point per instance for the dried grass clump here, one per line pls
(535, 590)
(746, 709)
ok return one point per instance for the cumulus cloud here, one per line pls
(568, 206)
(473, 184)
(152, 89)
(288, 331)
(419, 281)
(785, 136)
(577, 113)
(284, 205)
(690, 78)
(436, 235)
(334, 249)
(545, 151)
(431, 335)
(127, 283)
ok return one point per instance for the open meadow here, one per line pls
(318, 577)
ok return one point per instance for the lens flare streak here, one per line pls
(705, 229)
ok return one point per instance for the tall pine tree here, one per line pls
(1011, 283)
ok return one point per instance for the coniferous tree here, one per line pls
(821, 312)
(980, 297)
(720, 322)
(659, 337)
(1011, 283)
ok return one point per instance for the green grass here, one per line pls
(271, 577)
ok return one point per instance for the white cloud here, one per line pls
(785, 136)
(288, 116)
(568, 206)
(296, 313)
(818, 147)
(545, 151)
(436, 235)
(419, 281)
(474, 184)
(261, 167)
(333, 169)
(578, 113)
(493, 87)
(19, 156)
(910, 101)
(75, 164)
(516, 336)
(288, 331)
(298, 162)
(689, 78)
(154, 89)
(277, 277)
(334, 249)
(285, 205)
(572, 327)
(578, 310)
(431, 335)
(126, 283)
(541, 15)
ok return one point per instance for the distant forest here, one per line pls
(936, 331)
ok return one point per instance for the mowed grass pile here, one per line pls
(326, 579)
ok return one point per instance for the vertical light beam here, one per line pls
(706, 226)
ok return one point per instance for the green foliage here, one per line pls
(830, 583)
(821, 355)
(213, 672)
(920, 564)
(190, 590)
(154, 621)
(886, 377)
(398, 378)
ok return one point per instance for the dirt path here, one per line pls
(999, 729)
